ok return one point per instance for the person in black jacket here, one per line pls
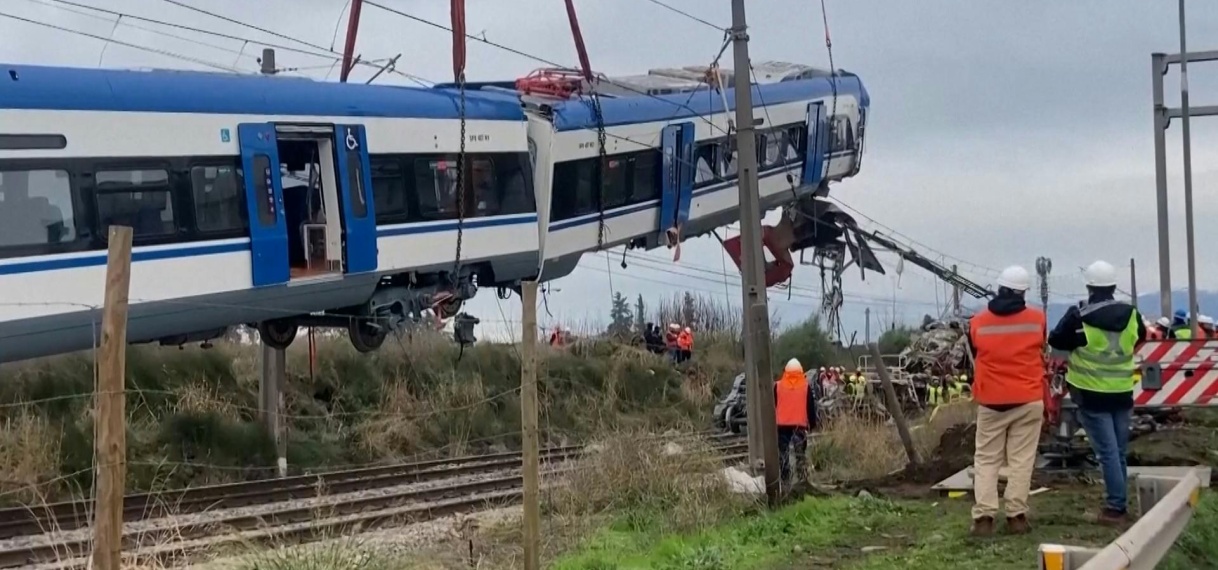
(1101, 335)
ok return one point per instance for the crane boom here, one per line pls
(969, 286)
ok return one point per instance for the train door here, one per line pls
(677, 180)
(355, 180)
(816, 145)
(264, 198)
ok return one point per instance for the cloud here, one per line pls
(999, 131)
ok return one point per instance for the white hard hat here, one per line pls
(674, 326)
(793, 365)
(1205, 320)
(1014, 277)
(1164, 322)
(1100, 274)
(687, 329)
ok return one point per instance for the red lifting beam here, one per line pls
(584, 65)
(349, 47)
(458, 25)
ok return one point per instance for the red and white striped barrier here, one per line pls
(1188, 373)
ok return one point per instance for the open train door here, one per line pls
(816, 145)
(355, 182)
(264, 198)
(677, 145)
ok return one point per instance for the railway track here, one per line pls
(293, 523)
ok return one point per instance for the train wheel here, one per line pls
(365, 337)
(277, 334)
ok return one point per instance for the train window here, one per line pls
(35, 208)
(264, 189)
(796, 141)
(616, 181)
(771, 149)
(706, 172)
(727, 158)
(389, 188)
(436, 181)
(219, 198)
(139, 199)
(481, 182)
(33, 142)
(355, 184)
(645, 176)
(572, 192)
(513, 175)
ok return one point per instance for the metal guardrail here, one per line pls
(1167, 505)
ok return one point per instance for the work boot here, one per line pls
(983, 526)
(1112, 518)
(1018, 524)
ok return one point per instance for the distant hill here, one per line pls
(1148, 303)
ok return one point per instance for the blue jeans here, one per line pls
(1108, 432)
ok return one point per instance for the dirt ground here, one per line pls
(1193, 441)
(954, 452)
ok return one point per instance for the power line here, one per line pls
(687, 15)
(122, 43)
(543, 60)
(119, 21)
(244, 24)
(326, 54)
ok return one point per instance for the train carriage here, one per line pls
(670, 167)
(352, 214)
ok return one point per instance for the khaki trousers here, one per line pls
(1008, 438)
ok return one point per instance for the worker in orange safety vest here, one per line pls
(1007, 340)
(685, 344)
(795, 413)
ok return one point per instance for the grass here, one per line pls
(841, 532)
(192, 413)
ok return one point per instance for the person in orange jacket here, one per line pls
(1007, 340)
(685, 343)
(670, 342)
(795, 414)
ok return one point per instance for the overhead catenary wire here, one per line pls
(157, 51)
(119, 20)
(688, 15)
(540, 60)
(316, 51)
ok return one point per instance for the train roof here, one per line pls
(685, 100)
(173, 91)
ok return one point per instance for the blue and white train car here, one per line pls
(351, 212)
(672, 161)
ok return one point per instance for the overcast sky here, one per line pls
(999, 131)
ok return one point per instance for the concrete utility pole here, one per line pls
(1190, 250)
(1158, 65)
(758, 372)
(1133, 282)
(955, 292)
(867, 328)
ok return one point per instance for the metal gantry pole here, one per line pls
(1158, 68)
(758, 374)
(1188, 177)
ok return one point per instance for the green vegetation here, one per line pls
(871, 534)
(192, 414)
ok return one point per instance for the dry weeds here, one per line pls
(851, 447)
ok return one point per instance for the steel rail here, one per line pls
(367, 512)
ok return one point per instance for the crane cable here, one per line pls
(832, 119)
(458, 26)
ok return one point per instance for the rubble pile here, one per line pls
(940, 349)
